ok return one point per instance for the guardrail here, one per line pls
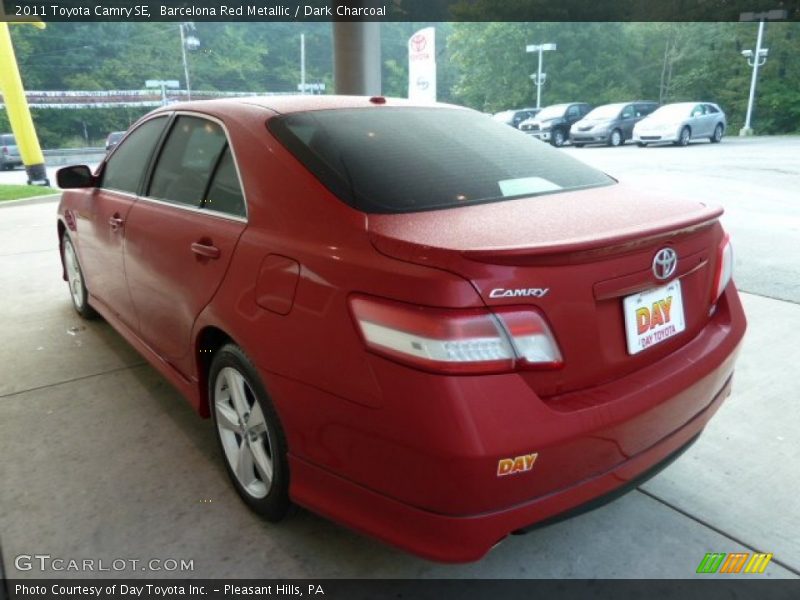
(69, 156)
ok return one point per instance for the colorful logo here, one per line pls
(735, 562)
(518, 464)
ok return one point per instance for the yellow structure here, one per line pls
(19, 115)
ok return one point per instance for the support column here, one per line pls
(357, 58)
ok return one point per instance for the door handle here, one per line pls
(205, 250)
(116, 222)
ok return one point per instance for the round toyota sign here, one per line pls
(664, 263)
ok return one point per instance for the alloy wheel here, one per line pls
(74, 276)
(243, 432)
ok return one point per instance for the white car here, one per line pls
(680, 123)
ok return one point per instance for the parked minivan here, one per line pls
(610, 124)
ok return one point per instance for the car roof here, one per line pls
(297, 103)
(687, 104)
(619, 104)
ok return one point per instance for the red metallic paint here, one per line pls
(277, 283)
(402, 454)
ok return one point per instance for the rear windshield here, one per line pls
(7, 140)
(394, 160)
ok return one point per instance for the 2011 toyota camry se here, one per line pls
(413, 320)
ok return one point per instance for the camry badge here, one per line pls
(664, 263)
(519, 293)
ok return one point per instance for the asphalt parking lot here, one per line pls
(102, 459)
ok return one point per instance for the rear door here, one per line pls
(182, 232)
(714, 117)
(699, 122)
(627, 121)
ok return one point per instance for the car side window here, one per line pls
(225, 192)
(698, 111)
(627, 112)
(642, 110)
(187, 161)
(572, 112)
(125, 169)
(711, 110)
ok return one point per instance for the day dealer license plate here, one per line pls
(653, 316)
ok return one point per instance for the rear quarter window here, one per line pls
(394, 160)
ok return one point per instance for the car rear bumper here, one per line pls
(426, 480)
(589, 138)
(458, 539)
(538, 134)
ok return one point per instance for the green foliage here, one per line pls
(481, 65)
(608, 62)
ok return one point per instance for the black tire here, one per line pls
(615, 138)
(558, 138)
(578, 145)
(75, 280)
(685, 136)
(716, 137)
(266, 440)
(641, 144)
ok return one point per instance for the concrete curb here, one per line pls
(31, 200)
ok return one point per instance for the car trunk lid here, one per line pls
(575, 256)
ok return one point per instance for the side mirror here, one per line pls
(78, 176)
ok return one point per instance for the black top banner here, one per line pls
(400, 10)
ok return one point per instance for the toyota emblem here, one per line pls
(665, 263)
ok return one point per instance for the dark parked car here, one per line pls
(515, 117)
(553, 123)
(408, 318)
(113, 139)
(9, 153)
(610, 124)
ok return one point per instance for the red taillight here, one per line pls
(724, 270)
(456, 340)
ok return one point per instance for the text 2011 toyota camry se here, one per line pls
(410, 319)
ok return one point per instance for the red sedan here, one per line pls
(411, 319)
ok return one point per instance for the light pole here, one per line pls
(756, 59)
(302, 63)
(188, 42)
(539, 77)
